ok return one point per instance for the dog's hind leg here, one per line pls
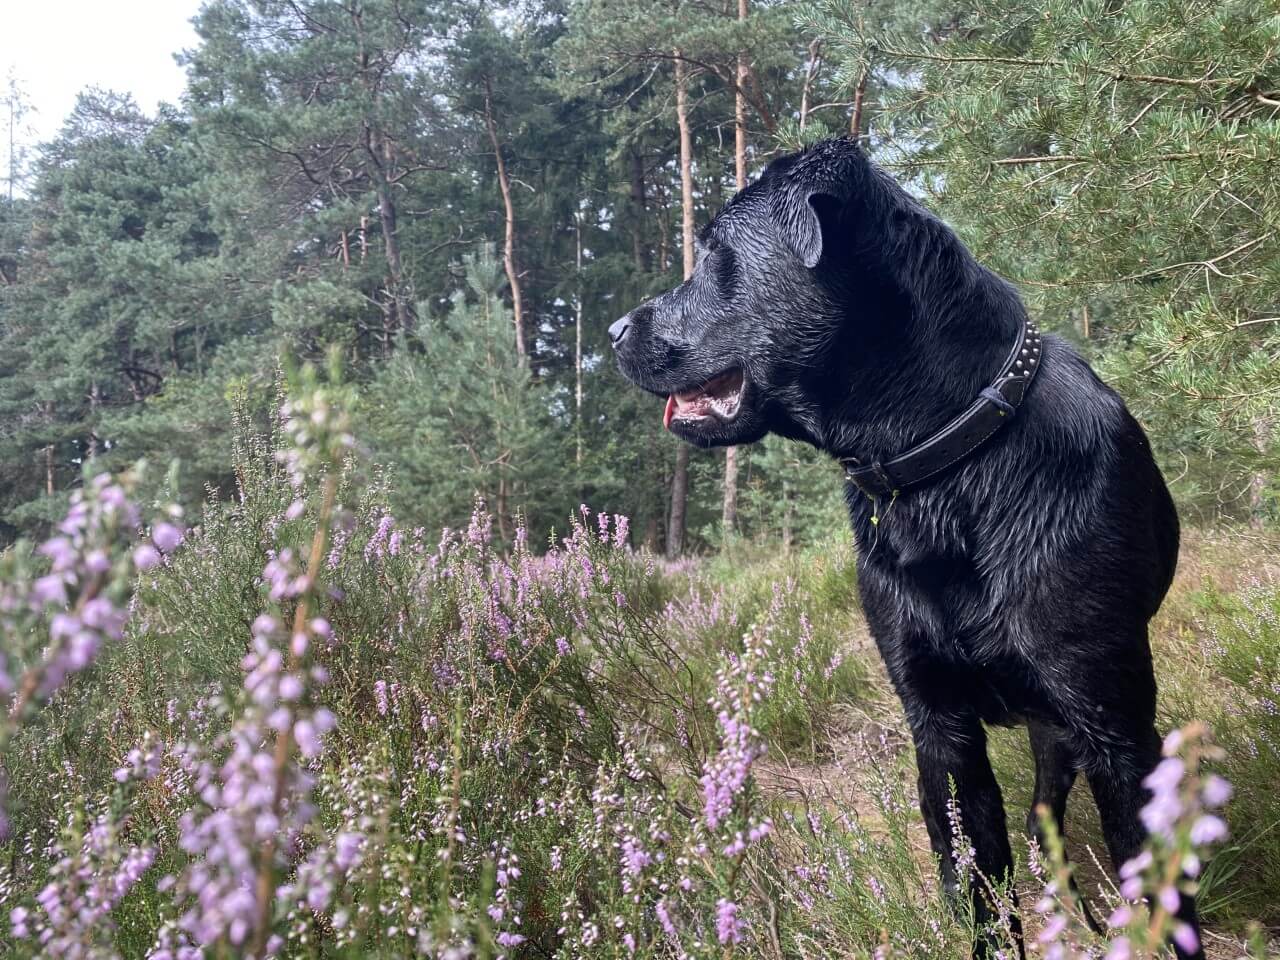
(953, 749)
(1056, 768)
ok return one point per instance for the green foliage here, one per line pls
(335, 164)
(118, 289)
(790, 494)
(337, 161)
(1238, 636)
(591, 666)
(464, 419)
(519, 732)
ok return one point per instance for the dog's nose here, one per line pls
(619, 329)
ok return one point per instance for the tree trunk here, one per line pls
(729, 513)
(13, 143)
(388, 218)
(679, 502)
(810, 78)
(686, 166)
(381, 169)
(639, 249)
(680, 479)
(1258, 485)
(509, 243)
(786, 517)
(48, 454)
(577, 341)
(95, 401)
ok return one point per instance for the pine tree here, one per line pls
(465, 419)
(116, 290)
(320, 102)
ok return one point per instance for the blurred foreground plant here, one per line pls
(1183, 823)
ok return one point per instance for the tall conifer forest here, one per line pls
(461, 197)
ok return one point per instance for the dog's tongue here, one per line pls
(669, 412)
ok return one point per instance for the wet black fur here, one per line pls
(1017, 587)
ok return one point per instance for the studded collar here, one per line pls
(992, 408)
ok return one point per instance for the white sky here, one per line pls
(56, 48)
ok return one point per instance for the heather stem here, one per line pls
(284, 740)
(1160, 917)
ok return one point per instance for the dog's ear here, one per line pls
(798, 213)
(814, 188)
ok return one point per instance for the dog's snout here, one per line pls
(619, 329)
(636, 324)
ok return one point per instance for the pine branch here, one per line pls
(1118, 75)
(1084, 158)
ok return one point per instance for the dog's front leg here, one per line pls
(964, 814)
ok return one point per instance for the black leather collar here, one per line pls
(963, 435)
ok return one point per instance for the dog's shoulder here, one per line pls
(1071, 403)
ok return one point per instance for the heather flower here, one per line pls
(82, 602)
(725, 775)
(1182, 825)
(1185, 937)
(877, 890)
(728, 926)
(664, 918)
(167, 537)
(1216, 791)
(381, 543)
(141, 763)
(254, 795)
(1207, 829)
(73, 910)
(962, 849)
(145, 556)
(634, 857)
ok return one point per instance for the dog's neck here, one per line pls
(936, 330)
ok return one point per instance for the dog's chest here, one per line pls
(937, 620)
(921, 580)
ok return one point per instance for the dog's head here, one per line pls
(743, 346)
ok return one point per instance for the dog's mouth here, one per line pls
(720, 398)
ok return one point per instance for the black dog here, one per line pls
(1010, 576)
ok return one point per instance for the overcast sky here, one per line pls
(58, 47)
